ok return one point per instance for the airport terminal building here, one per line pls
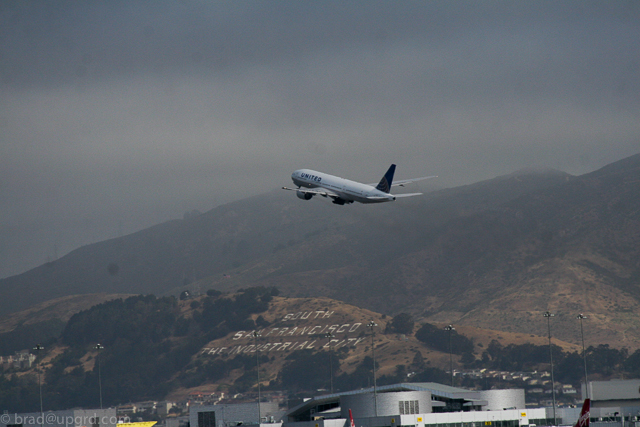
(397, 405)
(416, 405)
(614, 404)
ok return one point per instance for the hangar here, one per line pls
(625, 393)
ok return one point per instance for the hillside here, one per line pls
(162, 348)
(58, 309)
(298, 324)
(495, 254)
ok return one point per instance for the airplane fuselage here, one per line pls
(347, 190)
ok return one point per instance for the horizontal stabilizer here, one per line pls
(407, 195)
(401, 183)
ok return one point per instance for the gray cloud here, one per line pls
(118, 115)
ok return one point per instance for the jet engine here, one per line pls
(304, 196)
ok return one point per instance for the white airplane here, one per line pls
(345, 191)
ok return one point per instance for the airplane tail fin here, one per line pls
(583, 421)
(387, 180)
(351, 419)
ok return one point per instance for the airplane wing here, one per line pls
(402, 183)
(313, 192)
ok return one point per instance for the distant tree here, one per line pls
(418, 361)
(435, 375)
(24, 336)
(185, 326)
(525, 356)
(632, 364)
(307, 370)
(20, 393)
(360, 378)
(213, 293)
(176, 410)
(398, 376)
(605, 360)
(261, 322)
(438, 339)
(494, 350)
(400, 324)
(518, 357)
(467, 359)
(570, 368)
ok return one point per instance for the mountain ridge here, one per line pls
(499, 252)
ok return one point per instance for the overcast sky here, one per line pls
(118, 115)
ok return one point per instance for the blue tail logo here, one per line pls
(387, 180)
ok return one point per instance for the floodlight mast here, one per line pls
(330, 336)
(549, 315)
(38, 348)
(257, 335)
(372, 325)
(99, 347)
(584, 355)
(449, 329)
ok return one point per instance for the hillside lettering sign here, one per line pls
(292, 338)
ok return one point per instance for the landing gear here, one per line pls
(339, 201)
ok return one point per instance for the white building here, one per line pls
(613, 393)
(614, 403)
(419, 405)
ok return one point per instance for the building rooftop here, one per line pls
(438, 391)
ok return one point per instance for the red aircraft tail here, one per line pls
(583, 421)
(354, 424)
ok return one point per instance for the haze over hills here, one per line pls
(494, 255)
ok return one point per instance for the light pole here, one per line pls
(450, 328)
(256, 335)
(549, 315)
(584, 355)
(38, 348)
(372, 325)
(99, 347)
(330, 335)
